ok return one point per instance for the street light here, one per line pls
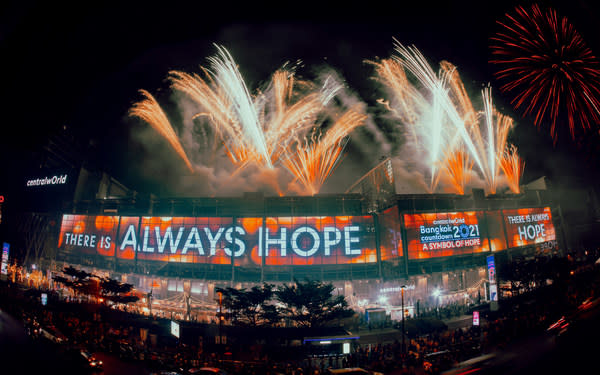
(403, 329)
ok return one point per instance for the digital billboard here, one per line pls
(318, 240)
(217, 240)
(88, 234)
(179, 239)
(528, 226)
(445, 234)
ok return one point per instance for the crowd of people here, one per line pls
(100, 329)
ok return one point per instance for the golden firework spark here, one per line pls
(458, 168)
(313, 159)
(150, 111)
(513, 166)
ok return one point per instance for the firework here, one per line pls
(458, 167)
(491, 147)
(421, 115)
(442, 120)
(150, 111)
(255, 128)
(280, 125)
(513, 167)
(313, 159)
(548, 66)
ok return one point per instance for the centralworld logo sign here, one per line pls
(44, 181)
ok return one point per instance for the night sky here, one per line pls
(82, 66)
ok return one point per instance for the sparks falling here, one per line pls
(442, 121)
(312, 160)
(150, 111)
(458, 168)
(276, 126)
(512, 166)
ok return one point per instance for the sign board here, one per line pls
(491, 266)
(493, 293)
(475, 318)
(175, 328)
(5, 250)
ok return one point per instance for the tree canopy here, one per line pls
(102, 287)
(306, 304)
(312, 303)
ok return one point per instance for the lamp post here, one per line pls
(403, 329)
(220, 314)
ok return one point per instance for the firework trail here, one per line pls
(150, 111)
(412, 59)
(513, 167)
(255, 129)
(442, 120)
(491, 147)
(313, 159)
(458, 167)
(546, 62)
(422, 116)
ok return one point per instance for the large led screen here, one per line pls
(318, 240)
(528, 226)
(88, 234)
(179, 239)
(216, 240)
(445, 234)
(390, 239)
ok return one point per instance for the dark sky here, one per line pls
(82, 64)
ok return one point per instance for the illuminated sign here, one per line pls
(444, 234)
(528, 226)
(4, 266)
(54, 180)
(491, 266)
(218, 240)
(88, 234)
(175, 328)
(475, 318)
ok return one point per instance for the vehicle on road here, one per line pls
(351, 371)
(206, 371)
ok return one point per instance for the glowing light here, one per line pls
(513, 167)
(546, 63)
(150, 111)
(313, 160)
(441, 119)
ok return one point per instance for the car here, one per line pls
(82, 359)
(93, 362)
(206, 371)
(351, 371)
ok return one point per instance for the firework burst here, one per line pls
(314, 158)
(442, 121)
(547, 64)
(279, 125)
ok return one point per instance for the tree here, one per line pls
(312, 303)
(249, 307)
(93, 285)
